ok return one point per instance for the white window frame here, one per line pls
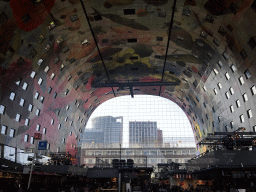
(232, 108)
(27, 120)
(22, 101)
(33, 74)
(38, 126)
(238, 103)
(12, 96)
(227, 95)
(249, 113)
(52, 121)
(215, 91)
(219, 85)
(40, 81)
(241, 118)
(227, 76)
(4, 130)
(47, 68)
(44, 130)
(30, 107)
(38, 112)
(32, 140)
(18, 117)
(231, 90)
(215, 71)
(26, 138)
(37, 95)
(2, 109)
(241, 80)
(12, 132)
(245, 97)
(59, 126)
(52, 76)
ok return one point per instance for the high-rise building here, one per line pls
(142, 132)
(160, 137)
(105, 129)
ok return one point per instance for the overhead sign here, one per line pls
(38, 136)
(42, 145)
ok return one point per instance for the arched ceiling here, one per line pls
(210, 47)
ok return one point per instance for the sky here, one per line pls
(169, 116)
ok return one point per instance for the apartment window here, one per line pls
(26, 138)
(71, 123)
(66, 119)
(245, 97)
(57, 112)
(17, 117)
(253, 90)
(38, 112)
(227, 76)
(38, 127)
(2, 109)
(204, 88)
(36, 95)
(227, 95)
(249, 113)
(219, 118)
(30, 107)
(49, 90)
(40, 80)
(78, 104)
(69, 77)
(204, 105)
(52, 121)
(63, 140)
(220, 64)
(215, 71)
(44, 130)
(22, 101)
(42, 99)
(4, 130)
(48, 145)
(247, 74)
(233, 68)
(241, 80)
(54, 95)
(219, 85)
(213, 124)
(215, 91)
(241, 118)
(254, 128)
(70, 133)
(232, 124)
(27, 121)
(67, 108)
(238, 104)
(206, 116)
(59, 126)
(12, 131)
(46, 69)
(231, 90)
(12, 96)
(52, 76)
(66, 92)
(78, 118)
(32, 140)
(33, 74)
(231, 109)
(213, 109)
(25, 86)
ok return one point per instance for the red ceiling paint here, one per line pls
(37, 12)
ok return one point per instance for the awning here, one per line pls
(95, 173)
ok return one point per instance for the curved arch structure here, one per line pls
(53, 76)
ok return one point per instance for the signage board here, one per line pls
(38, 136)
(42, 145)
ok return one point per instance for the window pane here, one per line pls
(227, 76)
(25, 85)
(17, 117)
(36, 95)
(231, 90)
(12, 96)
(2, 109)
(253, 90)
(33, 74)
(12, 133)
(22, 101)
(40, 81)
(241, 80)
(4, 129)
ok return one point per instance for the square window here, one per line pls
(227, 76)
(253, 90)
(26, 138)
(22, 101)
(42, 99)
(233, 68)
(12, 132)
(241, 118)
(59, 126)
(38, 127)
(33, 74)
(44, 130)
(215, 71)
(231, 109)
(2, 109)
(27, 122)
(231, 90)
(245, 97)
(32, 140)
(238, 104)
(40, 81)
(49, 90)
(227, 95)
(249, 113)
(54, 95)
(17, 117)
(52, 76)
(12, 96)
(241, 80)
(36, 95)
(38, 112)
(219, 85)
(215, 91)
(4, 130)
(52, 121)
(247, 74)
(25, 85)
(46, 69)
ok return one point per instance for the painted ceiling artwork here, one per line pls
(60, 59)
